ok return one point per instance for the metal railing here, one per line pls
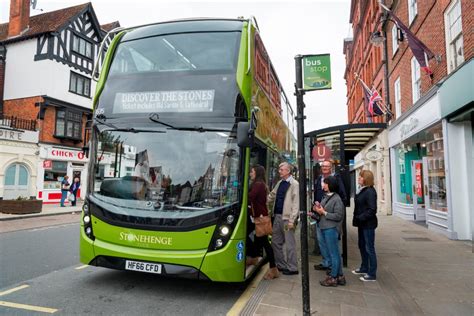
(18, 123)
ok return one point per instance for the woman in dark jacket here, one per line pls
(366, 221)
(331, 212)
(258, 203)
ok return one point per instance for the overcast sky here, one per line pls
(287, 28)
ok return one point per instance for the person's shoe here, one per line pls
(358, 271)
(341, 280)
(328, 271)
(320, 267)
(273, 273)
(282, 270)
(288, 272)
(329, 281)
(368, 278)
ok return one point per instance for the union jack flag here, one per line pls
(372, 99)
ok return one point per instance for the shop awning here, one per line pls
(343, 141)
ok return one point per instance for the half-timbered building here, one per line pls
(46, 70)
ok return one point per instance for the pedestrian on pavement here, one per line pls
(73, 189)
(365, 219)
(64, 189)
(285, 197)
(258, 204)
(331, 213)
(326, 171)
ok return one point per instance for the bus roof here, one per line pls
(184, 26)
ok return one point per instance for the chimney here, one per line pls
(19, 17)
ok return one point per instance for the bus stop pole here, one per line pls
(302, 181)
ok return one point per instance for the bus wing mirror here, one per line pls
(245, 134)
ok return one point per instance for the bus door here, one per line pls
(258, 155)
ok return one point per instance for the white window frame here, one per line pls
(394, 39)
(398, 98)
(454, 52)
(415, 80)
(412, 10)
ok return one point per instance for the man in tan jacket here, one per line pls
(285, 196)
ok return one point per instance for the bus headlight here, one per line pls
(224, 230)
(85, 208)
(230, 219)
(87, 219)
(88, 231)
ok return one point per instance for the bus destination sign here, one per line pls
(181, 101)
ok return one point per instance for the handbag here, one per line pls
(71, 197)
(263, 225)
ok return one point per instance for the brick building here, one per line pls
(430, 136)
(45, 81)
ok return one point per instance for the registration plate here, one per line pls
(143, 266)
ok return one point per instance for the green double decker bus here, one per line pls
(181, 110)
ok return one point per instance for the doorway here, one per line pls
(418, 190)
(16, 182)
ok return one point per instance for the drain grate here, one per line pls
(252, 304)
(416, 239)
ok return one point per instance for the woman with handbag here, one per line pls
(258, 205)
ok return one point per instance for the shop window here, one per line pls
(80, 85)
(454, 36)
(68, 124)
(436, 170)
(54, 175)
(129, 171)
(412, 10)
(81, 46)
(415, 80)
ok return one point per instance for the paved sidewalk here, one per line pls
(48, 209)
(420, 272)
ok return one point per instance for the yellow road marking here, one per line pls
(29, 307)
(82, 267)
(21, 287)
(245, 297)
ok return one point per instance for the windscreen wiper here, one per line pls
(101, 120)
(154, 117)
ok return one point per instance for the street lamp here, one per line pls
(377, 38)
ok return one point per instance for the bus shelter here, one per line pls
(340, 144)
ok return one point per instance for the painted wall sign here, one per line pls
(65, 154)
(373, 155)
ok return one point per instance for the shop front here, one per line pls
(55, 163)
(457, 108)
(420, 190)
(18, 160)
